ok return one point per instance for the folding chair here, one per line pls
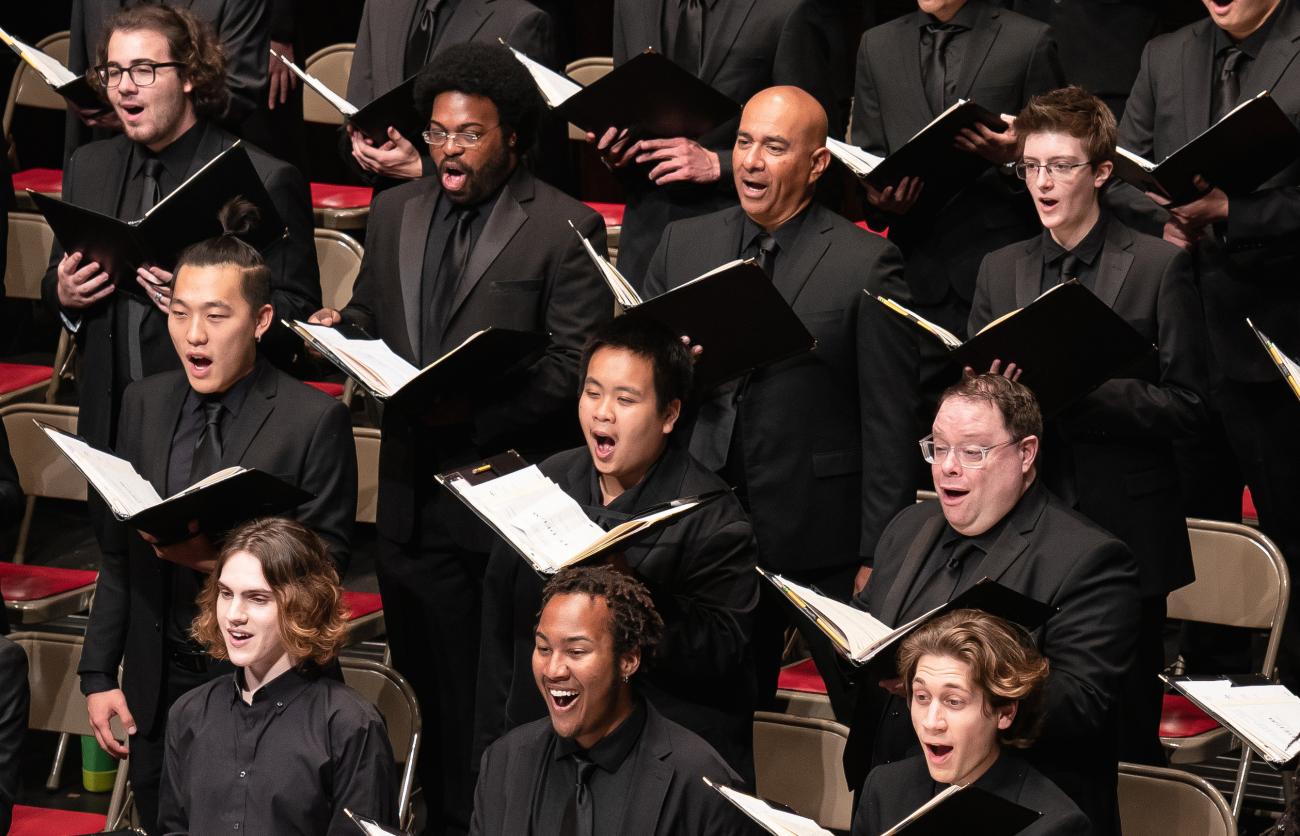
(339, 256)
(797, 762)
(42, 470)
(1154, 801)
(336, 205)
(27, 256)
(393, 697)
(802, 692)
(30, 90)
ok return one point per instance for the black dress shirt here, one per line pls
(441, 228)
(1250, 47)
(1087, 257)
(955, 53)
(288, 763)
(786, 235)
(610, 785)
(176, 159)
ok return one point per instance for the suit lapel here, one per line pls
(654, 777)
(921, 546)
(719, 39)
(1115, 262)
(1029, 273)
(907, 63)
(522, 774)
(804, 260)
(506, 219)
(394, 30)
(154, 468)
(1012, 542)
(1278, 52)
(257, 408)
(212, 143)
(981, 39)
(464, 24)
(1198, 66)
(411, 241)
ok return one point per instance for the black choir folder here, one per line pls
(958, 809)
(734, 312)
(1254, 141)
(483, 357)
(649, 95)
(1067, 340)
(217, 502)
(1289, 368)
(75, 88)
(395, 108)
(187, 215)
(1261, 712)
(546, 526)
(861, 637)
(370, 827)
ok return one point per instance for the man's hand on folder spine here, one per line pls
(614, 146)
(1011, 372)
(327, 317)
(157, 283)
(679, 160)
(860, 580)
(897, 200)
(396, 158)
(1211, 207)
(283, 81)
(696, 349)
(81, 286)
(995, 147)
(196, 553)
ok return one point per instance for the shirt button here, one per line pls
(236, 825)
(279, 704)
(242, 774)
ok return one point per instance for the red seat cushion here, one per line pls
(340, 196)
(883, 233)
(47, 180)
(1180, 718)
(15, 376)
(802, 677)
(334, 390)
(1248, 511)
(23, 582)
(362, 603)
(47, 821)
(611, 212)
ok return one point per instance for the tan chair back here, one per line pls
(585, 71)
(332, 65)
(28, 88)
(27, 254)
(57, 703)
(42, 469)
(367, 443)
(798, 763)
(339, 256)
(1154, 801)
(392, 696)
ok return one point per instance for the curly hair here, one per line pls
(190, 40)
(238, 218)
(633, 620)
(1016, 403)
(1003, 662)
(490, 71)
(313, 616)
(1072, 111)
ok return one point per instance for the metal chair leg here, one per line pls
(24, 528)
(1239, 788)
(118, 804)
(60, 754)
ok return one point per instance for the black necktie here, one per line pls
(579, 815)
(766, 249)
(1229, 86)
(1069, 267)
(421, 39)
(454, 258)
(207, 452)
(688, 40)
(130, 316)
(935, 69)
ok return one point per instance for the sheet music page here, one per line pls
(555, 88)
(336, 101)
(777, 821)
(54, 73)
(861, 629)
(127, 492)
(1141, 162)
(383, 369)
(947, 337)
(624, 293)
(858, 161)
(1267, 715)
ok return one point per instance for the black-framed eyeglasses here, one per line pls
(1026, 171)
(461, 139)
(971, 456)
(142, 74)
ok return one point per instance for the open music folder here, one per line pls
(757, 329)
(187, 215)
(861, 637)
(1289, 368)
(370, 827)
(1067, 341)
(395, 108)
(1262, 713)
(1254, 141)
(649, 95)
(546, 526)
(774, 820)
(217, 502)
(75, 88)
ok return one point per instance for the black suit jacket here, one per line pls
(894, 791)
(1053, 555)
(12, 503)
(95, 178)
(700, 572)
(14, 699)
(529, 272)
(748, 45)
(1008, 58)
(284, 428)
(668, 795)
(1112, 453)
(1248, 267)
(829, 436)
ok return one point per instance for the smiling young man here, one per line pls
(699, 570)
(995, 519)
(974, 686)
(1113, 449)
(225, 407)
(274, 747)
(606, 760)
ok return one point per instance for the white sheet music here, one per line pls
(336, 101)
(383, 370)
(54, 73)
(858, 161)
(126, 491)
(555, 88)
(774, 821)
(1266, 715)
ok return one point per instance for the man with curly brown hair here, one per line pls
(274, 747)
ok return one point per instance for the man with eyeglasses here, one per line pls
(481, 243)
(1113, 450)
(994, 518)
(166, 106)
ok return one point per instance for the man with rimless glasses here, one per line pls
(1112, 452)
(995, 519)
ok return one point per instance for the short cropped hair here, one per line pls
(633, 620)
(238, 217)
(1003, 662)
(313, 616)
(1072, 111)
(1018, 406)
(490, 71)
(653, 341)
(191, 42)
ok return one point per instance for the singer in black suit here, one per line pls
(226, 407)
(738, 47)
(174, 128)
(482, 244)
(1247, 253)
(14, 698)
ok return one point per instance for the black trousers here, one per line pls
(1142, 692)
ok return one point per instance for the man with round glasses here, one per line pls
(1113, 450)
(994, 518)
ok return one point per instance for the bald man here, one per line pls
(818, 447)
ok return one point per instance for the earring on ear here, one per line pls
(625, 679)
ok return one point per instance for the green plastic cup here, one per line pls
(98, 769)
